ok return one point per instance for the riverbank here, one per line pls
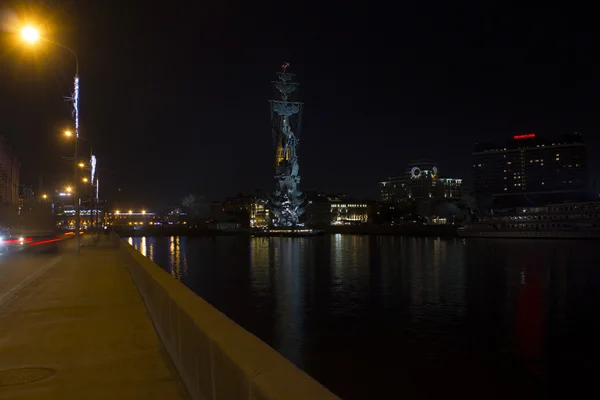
(398, 230)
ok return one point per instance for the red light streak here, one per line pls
(13, 241)
(524, 136)
(45, 242)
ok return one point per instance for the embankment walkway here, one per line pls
(77, 328)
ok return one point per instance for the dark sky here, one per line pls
(175, 97)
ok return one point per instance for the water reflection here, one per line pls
(143, 248)
(493, 317)
(177, 258)
(285, 266)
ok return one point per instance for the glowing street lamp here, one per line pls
(130, 212)
(81, 165)
(44, 196)
(117, 212)
(30, 34)
(85, 180)
(69, 189)
(68, 133)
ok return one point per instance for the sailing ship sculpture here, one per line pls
(287, 200)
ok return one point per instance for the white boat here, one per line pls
(553, 221)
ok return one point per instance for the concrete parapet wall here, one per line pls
(215, 357)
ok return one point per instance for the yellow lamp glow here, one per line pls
(81, 165)
(44, 196)
(85, 180)
(68, 133)
(69, 189)
(30, 34)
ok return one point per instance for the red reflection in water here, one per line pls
(530, 318)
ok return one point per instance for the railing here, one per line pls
(215, 357)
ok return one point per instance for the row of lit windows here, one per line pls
(529, 148)
(532, 161)
(533, 217)
(348, 206)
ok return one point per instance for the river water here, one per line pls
(382, 317)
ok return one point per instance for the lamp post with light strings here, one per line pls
(32, 35)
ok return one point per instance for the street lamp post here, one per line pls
(32, 35)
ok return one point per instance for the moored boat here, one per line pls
(552, 221)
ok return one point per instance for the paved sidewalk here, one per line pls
(82, 329)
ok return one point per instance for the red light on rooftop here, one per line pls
(524, 136)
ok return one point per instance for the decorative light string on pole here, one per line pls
(32, 35)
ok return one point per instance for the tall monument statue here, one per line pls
(287, 200)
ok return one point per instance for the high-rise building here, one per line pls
(528, 164)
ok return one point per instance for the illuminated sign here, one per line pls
(524, 136)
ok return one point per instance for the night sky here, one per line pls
(175, 97)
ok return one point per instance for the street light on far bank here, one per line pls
(85, 180)
(81, 165)
(68, 133)
(44, 196)
(69, 189)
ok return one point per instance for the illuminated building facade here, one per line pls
(325, 210)
(65, 217)
(249, 210)
(287, 201)
(529, 164)
(318, 209)
(421, 181)
(9, 178)
(260, 216)
(349, 212)
(133, 218)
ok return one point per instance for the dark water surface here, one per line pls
(399, 317)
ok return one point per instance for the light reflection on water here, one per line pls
(366, 315)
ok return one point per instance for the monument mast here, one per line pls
(287, 200)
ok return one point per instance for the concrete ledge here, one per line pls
(215, 357)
